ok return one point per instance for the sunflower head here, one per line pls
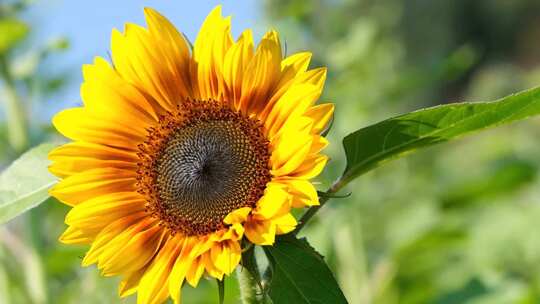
(201, 163)
(180, 153)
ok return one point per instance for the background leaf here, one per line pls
(369, 147)
(300, 275)
(25, 183)
(12, 31)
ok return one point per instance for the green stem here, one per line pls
(15, 114)
(221, 290)
(249, 279)
(338, 185)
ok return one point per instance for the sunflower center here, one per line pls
(201, 163)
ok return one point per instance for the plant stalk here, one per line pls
(336, 186)
(17, 125)
(249, 279)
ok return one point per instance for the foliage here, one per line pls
(300, 275)
(369, 147)
(25, 183)
(12, 31)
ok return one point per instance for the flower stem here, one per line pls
(15, 115)
(249, 278)
(340, 183)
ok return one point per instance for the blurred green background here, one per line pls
(456, 223)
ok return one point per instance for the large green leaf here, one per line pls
(369, 147)
(12, 31)
(25, 183)
(300, 275)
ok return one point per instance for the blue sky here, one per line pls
(88, 25)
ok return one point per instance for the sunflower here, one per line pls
(180, 153)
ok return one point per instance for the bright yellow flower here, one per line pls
(179, 153)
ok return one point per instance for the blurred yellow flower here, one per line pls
(179, 153)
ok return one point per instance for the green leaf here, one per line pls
(300, 275)
(25, 183)
(372, 146)
(12, 31)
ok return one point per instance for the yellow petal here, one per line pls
(210, 267)
(79, 124)
(261, 232)
(321, 115)
(130, 283)
(234, 66)
(128, 286)
(226, 256)
(132, 249)
(106, 94)
(291, 146)
(91, 183)
(71, 165)
(316, 77)
(261, 74)
(298, 62)
(107, 234)
(237, 216)
(174, 48)
(289, 81)
(181, 266)
(151, 62)
(76, 157)
(234, 232)
(285, 223)
(85, 149)
(291, 106)
(99, 211)
(231, 232)
(153, 285)
(74, 235)
(212, 43)
(274, 201)
(311, 167)
(318, 144)
(195, 272)
(161, 28)
(203, 244)
(302, 191)
(291, 67)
